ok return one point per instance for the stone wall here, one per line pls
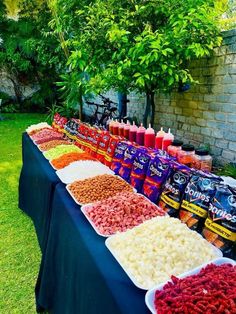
(206, 113)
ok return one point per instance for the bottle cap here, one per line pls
(177, 143)
(188, 148)
(201, 152)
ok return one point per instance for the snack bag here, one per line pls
(95, 139)
(103, 145)
(196, 200)
(118, 156)
(85, 141)
(114, 140)
(220, 225)
(127, 163)
(157, 172)
(174, 187)
(139, 169)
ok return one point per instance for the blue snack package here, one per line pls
(118, 156)
(127, 163)
(157, 172)
(198, 194)
(174, 187)
(139, 169)
(220, 225)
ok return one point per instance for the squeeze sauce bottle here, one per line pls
(140, 135)
(126, 130)
(121, 128)
(167, 140)
(132, 132)
(116, 128)
(159, 138)
(110, 126)
(149, 137)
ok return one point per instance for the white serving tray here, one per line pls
(150, 295)
(84, 207)
(217, 251)
(68, 185)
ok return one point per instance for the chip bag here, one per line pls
(127, 163)
(196, 200)
(103, 145)
(172, 194)
(220, 225)
(157, 172)
(118, 156)
(139, 169)
(114, 140)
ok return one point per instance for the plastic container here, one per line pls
(186, 155)
(140, 135)
(202, 160)
(110, 126)
(116, 128)
(126, 130)
(167, 140)
(150, 295)
(173, 149)
(159, 138)
(149, 137)
(121, 128)
(132, 132)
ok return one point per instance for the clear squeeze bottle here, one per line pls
(140, 135)
(167, 140)
(132, 132)
(159, 138)
(149, 137)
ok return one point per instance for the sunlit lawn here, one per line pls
(19, 251)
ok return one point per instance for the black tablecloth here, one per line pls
(36, 188)
(78, 274)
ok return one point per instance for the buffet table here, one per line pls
(77, 273)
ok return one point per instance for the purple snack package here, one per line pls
(139, 169)
(118, 156)
(174, 187)
(157, 172)
(127, 163)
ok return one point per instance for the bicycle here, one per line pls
(101, 117)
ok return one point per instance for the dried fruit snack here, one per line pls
(211, 291)
(98, 188)
(66, 159)
(220, 225)
(157, 172)
(139, 169)
(197, 196)
(158, 248)
(172, 194)
(121, 212)
(60, 150)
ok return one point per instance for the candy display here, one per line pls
(174, 188)
(83, 169)
(220, 225)
(51, 144)
(196, 199)
(66, 159)
(121, 212)
(60, 150)
(157, 172)
(159, 248)
(46, 135)
(38, 126)
(98, 188)
(212, 291)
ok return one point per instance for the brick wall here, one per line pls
(207, 112)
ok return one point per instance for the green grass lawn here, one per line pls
(19, 250)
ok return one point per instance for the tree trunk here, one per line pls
(149, 109)
(122, 106)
